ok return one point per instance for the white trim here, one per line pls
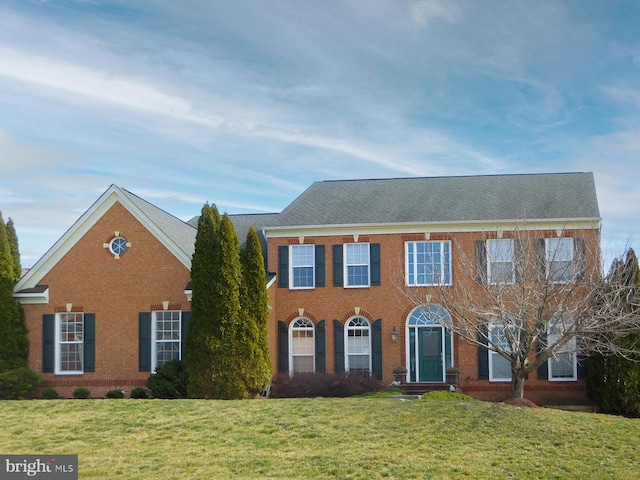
(347, 368)
(581, 223)
(345, 265)
(512, 253)
(448, 261)
(491, 353)
(40, 298)
(154, 341)
(292, 266)
(57, 346)
(313, 337)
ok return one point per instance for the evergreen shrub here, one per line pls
(81, 393)
(139, 392)
(115, 393)
(18, 383)
(50, 393)
(169, 381)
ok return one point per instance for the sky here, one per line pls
(246, 103)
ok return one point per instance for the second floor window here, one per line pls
(356, 264)
(559, 253)
(302, 266)
(428, 263)
(500, 264)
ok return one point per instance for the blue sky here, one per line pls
(246, 103)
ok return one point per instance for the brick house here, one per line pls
(111, 299)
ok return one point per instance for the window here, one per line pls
(559, 256)
(302, 346)
(428, 263)
(302, 266)
(358, 345)
(70, 342)
(356, 264)
(499, 367)
(166, 334)
(563, 366)
(500, 267)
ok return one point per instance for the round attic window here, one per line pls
(118, 245)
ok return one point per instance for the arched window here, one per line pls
(358, 345)
(302, 346)
(429, 343)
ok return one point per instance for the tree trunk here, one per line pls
(517, 387)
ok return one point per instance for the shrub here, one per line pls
(18, 383)
(50, 393)
(446, 395)
(139, 392)
(169, 381)
(387, 392)
(115, 393)
(323, 385)
(81, 392)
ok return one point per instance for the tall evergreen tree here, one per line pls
(255, 315)
(227, 377)
(614, 381)
(203, 333)
(15, 250)
(14, 345)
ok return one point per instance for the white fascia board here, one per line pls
(41, 298)
(433, 227)
(86, 221)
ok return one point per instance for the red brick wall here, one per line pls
(392, 306)
(91, 278)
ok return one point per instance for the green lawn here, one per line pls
(322, 438)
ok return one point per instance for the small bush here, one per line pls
(139, 392)
(19, 383)
(446, 395)
(81, 393)
(50, 393)
(169, 381)
(311, 385)
(115, 394)
(387, 392)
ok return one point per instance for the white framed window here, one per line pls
(358, 345)
(500, 264)
(428, 263)
(302, 266)
(166, 334)
(499, 366)
(356, 265)
(559, 255)
(302, 346)
(69, 338)
(563, 366)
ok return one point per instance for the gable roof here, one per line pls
(177, 236)
(552, 196)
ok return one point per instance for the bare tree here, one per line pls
(528, 297)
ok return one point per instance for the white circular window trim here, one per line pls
(118, 245)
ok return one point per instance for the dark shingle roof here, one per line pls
(445, 199)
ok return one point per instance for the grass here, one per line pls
(322, 438)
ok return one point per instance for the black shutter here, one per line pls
(283, 266)
(376, 349)
(483, 353)
(582, 366)
(481, 261)
(579, 258)
(283, 347)
(89, 342)
(543, 370)
(144, 341)
(184, 328)
(374, 257)
(320, 275)
(321, 361)
(48, 342)
(338, 346)
(337, 266)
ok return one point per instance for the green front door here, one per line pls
(430, 354)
